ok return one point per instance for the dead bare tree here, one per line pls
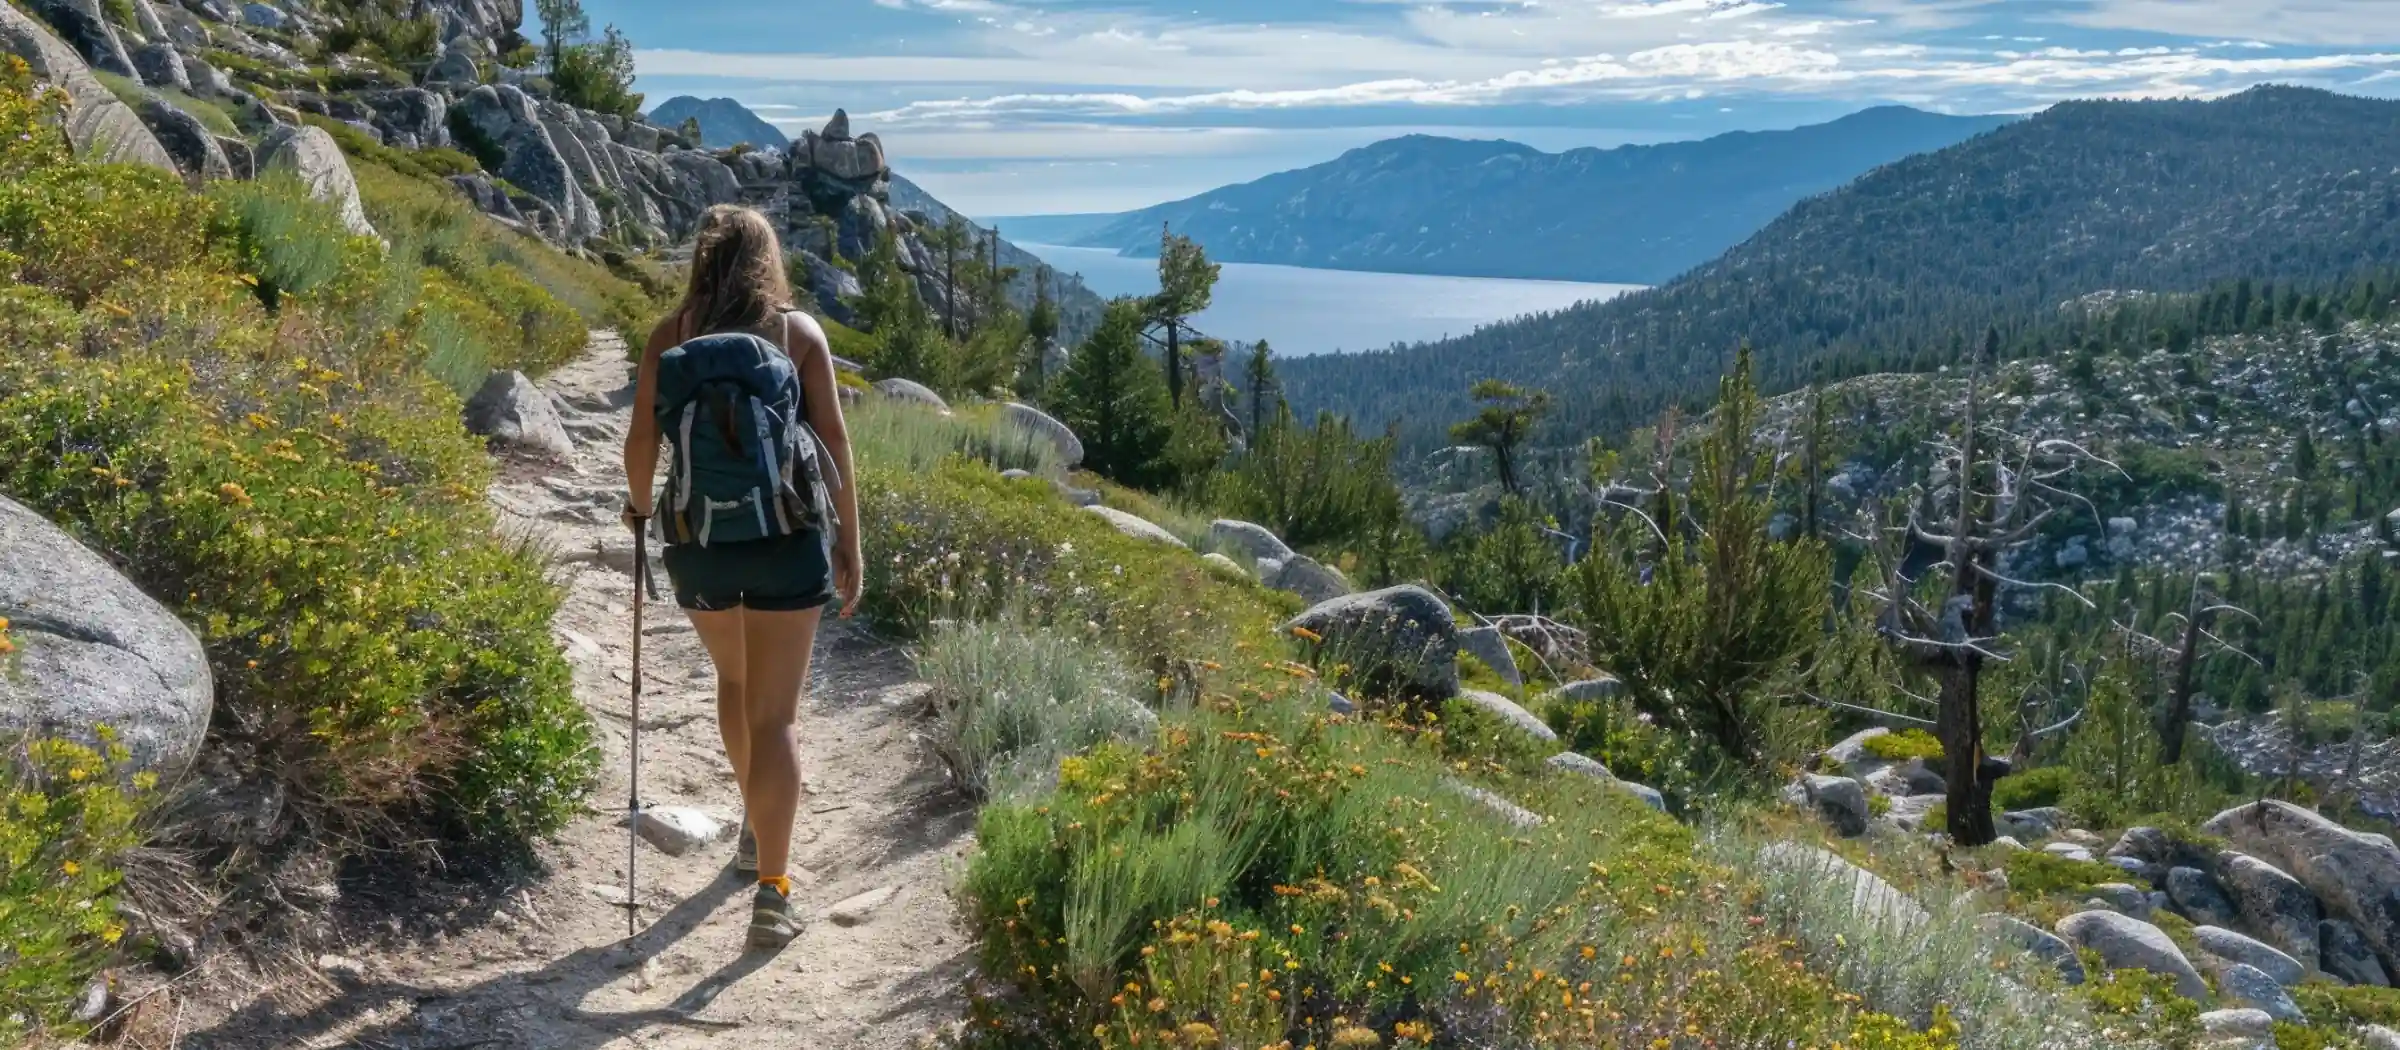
(2193, 644)
(1997, 486)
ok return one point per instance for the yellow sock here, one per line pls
(782, 883)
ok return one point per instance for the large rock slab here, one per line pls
(310, 154)
(100, 126)
(513, 412)
(82, 25)
(93, 650)
(1035, 421)
(2356, 874)
(1401, 637)
(1255, 542)
(1490, 646)
(2234, 947)
(2130, 944)
(2273, 905)
(1139, 528)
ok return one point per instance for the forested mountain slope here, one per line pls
(1633, 214)
(2282, 183)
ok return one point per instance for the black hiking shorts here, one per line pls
(779, 574)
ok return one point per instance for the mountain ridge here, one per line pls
(1428, 204)
(2277, 183)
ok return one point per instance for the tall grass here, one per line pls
(905, 437)
(1011, 701)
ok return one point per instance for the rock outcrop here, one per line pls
(1403, 636)
(2357, 875)
(498, 124)
(2130, 944)
(310, 154)
(514, 413)
(97, 123)
(2273, 905)
(92, 650)
(82, 24)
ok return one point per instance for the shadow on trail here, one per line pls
(524, 1008)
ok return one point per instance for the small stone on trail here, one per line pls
(611, 895)
(340, 966)
(676, 830)
(860, 908)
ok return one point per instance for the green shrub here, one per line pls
(2033, 788)
(2036, 874)
(294, 484)
(1010, 701)
(2342, 1005)
(2135, 1003)
(66, 814)
(1631, 746)
(1466, 731)
(1904, 745)
(292, 245)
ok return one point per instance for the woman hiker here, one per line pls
(759, 518)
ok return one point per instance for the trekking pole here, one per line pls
(633, 801)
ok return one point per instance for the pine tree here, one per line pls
(1112, 400)
(1186, 283)
(1260, 378)
(1697, 625)
(1506, 419)
(563, 26)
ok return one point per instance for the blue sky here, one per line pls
(1032, 106)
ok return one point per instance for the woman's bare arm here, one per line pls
(642, 437)
(814, 355)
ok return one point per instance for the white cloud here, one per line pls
(2325, 23)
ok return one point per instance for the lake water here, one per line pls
(1307, 311)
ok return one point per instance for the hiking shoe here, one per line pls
(773, 923)
(745, 852)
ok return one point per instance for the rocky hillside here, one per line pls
(724, 122)
(1633, 214)
(2275, 183)
(217, 90)
(2225, 419)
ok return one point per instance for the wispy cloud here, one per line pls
(1117, 81)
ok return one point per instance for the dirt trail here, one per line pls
(544, 965)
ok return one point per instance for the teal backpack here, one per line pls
(747, 466)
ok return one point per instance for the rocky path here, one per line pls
(545, 965)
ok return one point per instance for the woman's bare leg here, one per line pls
(721, 634)
(776, 651)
